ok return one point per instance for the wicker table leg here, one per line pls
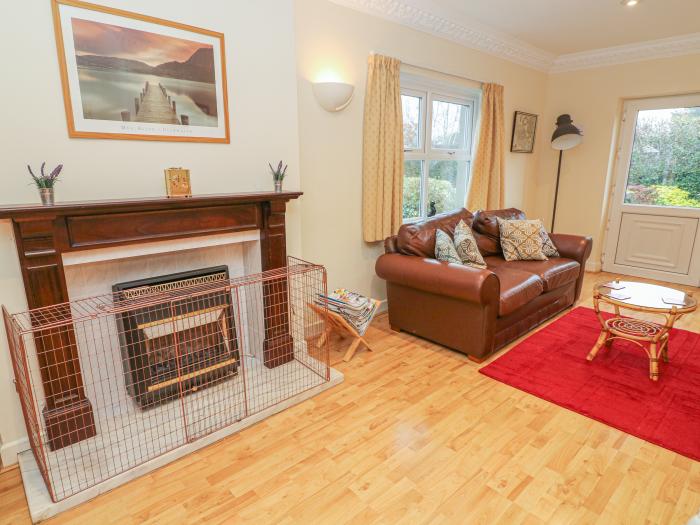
(653, 362)
(602, 340)
(664, 349)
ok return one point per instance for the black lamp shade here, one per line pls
(566, 136)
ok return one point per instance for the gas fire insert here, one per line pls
(182, 340)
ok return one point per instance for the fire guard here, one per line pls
(165, 362)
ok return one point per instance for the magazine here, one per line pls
(355, 308)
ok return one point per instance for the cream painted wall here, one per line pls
(594, 98)
(330, 37)
(263, 116)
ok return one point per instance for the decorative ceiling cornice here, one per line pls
(490, 41)
(475, 37)
(664, 48)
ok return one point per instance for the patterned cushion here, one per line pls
(466, 246)
(445, 249)
(548, 247)
(521, 240)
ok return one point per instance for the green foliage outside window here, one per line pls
(665, 164)
(442, 193)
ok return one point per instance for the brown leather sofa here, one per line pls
(468, 309)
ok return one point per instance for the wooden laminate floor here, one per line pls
(413, 435)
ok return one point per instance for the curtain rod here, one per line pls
(432, 70)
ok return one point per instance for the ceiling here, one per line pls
(571, 26)
(553, 35)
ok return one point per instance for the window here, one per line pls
(665, 164)
(438, 130)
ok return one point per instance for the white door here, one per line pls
(653, 228)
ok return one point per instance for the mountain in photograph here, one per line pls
(199, 67)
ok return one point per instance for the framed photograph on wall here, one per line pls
(130, 76)
(524, 127)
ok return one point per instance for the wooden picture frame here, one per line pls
(95, 67)
(524, 131)
(177, 182)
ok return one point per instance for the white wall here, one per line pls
(594, 98)
(262, 94)
(337, 38)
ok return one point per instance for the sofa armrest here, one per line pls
(441, 278)
(576, 247)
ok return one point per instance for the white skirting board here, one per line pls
(593, 266)
(41, 507)
(10, 451)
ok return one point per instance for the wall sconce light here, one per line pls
(333, 96)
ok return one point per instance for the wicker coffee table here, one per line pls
(640, 297)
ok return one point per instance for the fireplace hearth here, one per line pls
(181, 342)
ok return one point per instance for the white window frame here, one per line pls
(429, 90)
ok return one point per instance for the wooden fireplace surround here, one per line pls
(44, 233)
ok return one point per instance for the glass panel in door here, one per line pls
(665, 161)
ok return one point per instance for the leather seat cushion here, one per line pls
(517, 288)
(555, 273)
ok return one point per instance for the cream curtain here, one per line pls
(486, 184)
(382, 156)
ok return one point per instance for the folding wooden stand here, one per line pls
(337, 322)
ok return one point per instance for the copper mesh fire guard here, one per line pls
(163, 364)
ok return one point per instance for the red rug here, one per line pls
(615, 387)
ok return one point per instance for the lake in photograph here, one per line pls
(105, 93)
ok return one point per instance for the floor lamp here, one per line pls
(566, 136)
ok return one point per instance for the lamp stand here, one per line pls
(556, 192)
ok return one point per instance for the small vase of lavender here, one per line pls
(45, 183)
(278, 175)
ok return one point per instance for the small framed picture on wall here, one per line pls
(524, 127)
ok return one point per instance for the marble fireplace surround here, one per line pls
(91, 273)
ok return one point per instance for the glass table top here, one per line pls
(645, 295)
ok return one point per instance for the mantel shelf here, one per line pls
(12, 211)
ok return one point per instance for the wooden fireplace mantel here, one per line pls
(11, 211)
(44, 233)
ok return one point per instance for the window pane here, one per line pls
(665, 163)
(447, 185)
(449, 130)
(412, 186)
(410, 106)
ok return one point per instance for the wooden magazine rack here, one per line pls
(337, 323)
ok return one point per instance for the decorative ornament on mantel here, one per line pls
(45, 183)
(177, 182)
(278, 175)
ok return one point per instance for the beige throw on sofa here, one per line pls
(486, 184)
(382, 155)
